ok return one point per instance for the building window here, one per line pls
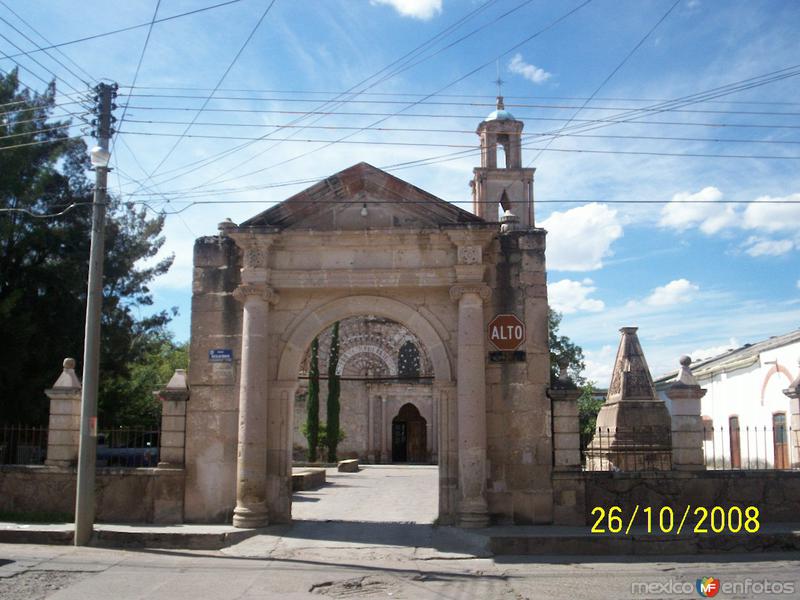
(408, 361)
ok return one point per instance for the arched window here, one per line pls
(408, 361)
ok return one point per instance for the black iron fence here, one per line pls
(124, 447)
(756, 447)
(20, 445)
(127, 447)
(629, 449)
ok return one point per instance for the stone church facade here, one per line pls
(365, 246)
(383, 370)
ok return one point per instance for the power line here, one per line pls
(475, 104)
(53, 58)
(473, 146)
(459, 131)
(417, 95)
(219, 83)
(135, 78)
(611, 119)
(46, 41)
(141, 58)
(130, 28)
(161, 211)
(452, 83)
(399, 63)
(61, 139)
(611, 75)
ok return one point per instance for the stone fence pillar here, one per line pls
(687, 424)
(172, 440)
(793, 393)
(65, 418)
(566, 424)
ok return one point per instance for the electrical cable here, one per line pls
(130, 28)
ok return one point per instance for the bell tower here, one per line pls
(505, 184)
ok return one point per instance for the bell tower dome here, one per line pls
(506, 186)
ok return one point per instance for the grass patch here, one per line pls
(35, 517)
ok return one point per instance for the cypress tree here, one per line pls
(312, 406)
(332, 429)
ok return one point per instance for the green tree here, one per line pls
(588, 407)
(44, 262)
(312, 406)
(332, 427)
(158, 357)
(561, 347)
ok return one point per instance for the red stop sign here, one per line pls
(506, 332)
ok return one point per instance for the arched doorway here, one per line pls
(409, 436)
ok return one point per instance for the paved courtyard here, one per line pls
(377, 493)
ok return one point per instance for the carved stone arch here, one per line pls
(299, 337)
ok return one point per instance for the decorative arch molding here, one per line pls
(776, 368)
(299, 336)
(373, 349)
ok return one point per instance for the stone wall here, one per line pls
(123, 495)
(776, 494)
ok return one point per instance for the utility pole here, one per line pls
(87, 455)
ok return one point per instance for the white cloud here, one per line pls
(692, 210)
(762, 247)
(675, 292)
(528, 71)
(599, 365)
(579, 239)
(701, 353)
(417, 9)
(773, 217)
(568, 296)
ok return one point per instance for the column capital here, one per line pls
(246, 290)
(481, 289)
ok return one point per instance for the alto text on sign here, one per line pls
(506, 332)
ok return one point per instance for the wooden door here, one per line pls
(736, 444)
(399, 441)
(780, 441)
(417, 441)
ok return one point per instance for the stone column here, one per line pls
(793, 393)
(65, 418)
(251, 464)
(687, 424)
(471, 398)
(172, 440)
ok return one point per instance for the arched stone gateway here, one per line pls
(363, 242)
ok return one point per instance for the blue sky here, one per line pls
(695, 277)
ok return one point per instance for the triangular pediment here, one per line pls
(337, 203)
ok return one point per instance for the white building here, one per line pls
(749, 421)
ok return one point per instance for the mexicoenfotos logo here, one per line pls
(708, 587)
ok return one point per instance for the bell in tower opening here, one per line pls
(507, 186)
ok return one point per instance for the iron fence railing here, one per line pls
(22, 445)
(127, 447)
(751, 448)
(630, 449)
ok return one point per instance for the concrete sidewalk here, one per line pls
(303, 566)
